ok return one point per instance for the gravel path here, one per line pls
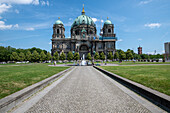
(85, 90)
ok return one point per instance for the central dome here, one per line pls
(83, 20)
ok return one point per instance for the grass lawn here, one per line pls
(15, 78)
(156, 76)
(132, 63)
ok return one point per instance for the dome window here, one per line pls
(83, 21)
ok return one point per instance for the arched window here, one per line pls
(57, 31)
(109, 30)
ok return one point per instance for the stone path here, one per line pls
(87, 90)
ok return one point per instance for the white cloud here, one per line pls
(35, 2)
(70, 19)
(4, 8)
(145, 2)
(17, 11)
(16, 26)
(45, 3)
(50, 43)
(68, 24)
(120, 40)
(3, 26)
(95, 19)
(48, 3)
(153, 25)
(30, 29)
(101, 20)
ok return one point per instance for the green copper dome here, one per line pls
(59, 22)
(107, 22)
(83, 19)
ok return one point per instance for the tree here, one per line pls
(70, 56)
(62, 56)
(56, 56)
(14, 56)
(35, 56)
(48, 56)
(122, 55)
(28, 56)
(137, 57)
(116, 55)
(96, 56)
(89, 56)
(76, 56)
(110, 56)
(129, 54)
(21, 56)
(42, 56)
(102, 56)
(4, 54)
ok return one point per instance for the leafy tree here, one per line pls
(96, 56)
(70, 56)
(28, 56)
(76, 56)
(102, 56)
(4, 54)
(89, 56)
(129, 54)
(62, 56)
(144, 56)
(122, 55)
(14, 56)
(35, 56)
(42, 56)
(48, 57)
(116, 55)
(56, 56)
(110, 56)
(137, 57)
(21, 56)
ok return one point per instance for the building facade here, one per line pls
(139, 50)
(84, 38)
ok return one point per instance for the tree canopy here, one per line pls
(96, 56)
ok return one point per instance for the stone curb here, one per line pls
(160, 99)
(7, 103)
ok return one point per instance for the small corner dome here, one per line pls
(59, 22)
(107, 22)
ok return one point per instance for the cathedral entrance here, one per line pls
(84, 49)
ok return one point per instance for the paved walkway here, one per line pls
(86, 90)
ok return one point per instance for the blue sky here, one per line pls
(28, 23)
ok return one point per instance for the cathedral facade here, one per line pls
(84, 38)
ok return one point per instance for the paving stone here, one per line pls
(85, 90)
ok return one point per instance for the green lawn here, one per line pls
(15, 78)
(156, 76)
(133, 63)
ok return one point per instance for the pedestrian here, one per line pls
(54, 63)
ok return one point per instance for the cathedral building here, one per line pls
(84, 38)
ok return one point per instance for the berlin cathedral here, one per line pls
(84, 38)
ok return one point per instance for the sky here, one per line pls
(28, 23)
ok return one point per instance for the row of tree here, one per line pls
(6, 53)
(129, 55)
(32, 57)
(63, 57)
(36, 54)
